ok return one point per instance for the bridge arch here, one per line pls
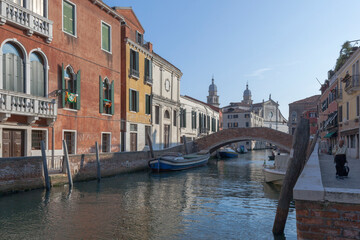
(222, 138)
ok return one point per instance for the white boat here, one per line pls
(275, 174)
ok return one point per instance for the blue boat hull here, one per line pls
(228, 155)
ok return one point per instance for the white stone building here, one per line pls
(165, 104)
(197, 118)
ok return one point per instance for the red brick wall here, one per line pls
(319, 220)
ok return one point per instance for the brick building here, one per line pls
(298, 108)
(59, 74)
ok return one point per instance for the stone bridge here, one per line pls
(222, 138)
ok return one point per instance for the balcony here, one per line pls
(14, 103)
(25, 19)
(351, 83)
(339, 95)
(148, 80)
(134, 73)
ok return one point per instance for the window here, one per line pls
(357, 106)
(247, 124)
(213, 124)
(147, 131)
(105, 37)
(69, 18)
(247, 115)
(13, 68)
(347, 110)
(36, 137)
(175, 117)
(147, 104)
(236, 116)
(166, 114)
(106, 96)
(148, 71)
(106, 142)
(133, 127)
(71, 88)
(139, 38)
(183, 118)
(193, 119)
(133, 100)
(70, 140)
(37, 75)
(157, 114)
(36, 6)
(236, 124)
(294, 117)
(134, 64)
(229, 125)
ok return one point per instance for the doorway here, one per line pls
(166, 135)
(13, 143)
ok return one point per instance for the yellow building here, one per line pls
(349, 103)
(136, 73)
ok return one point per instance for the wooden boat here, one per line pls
(228, 153)
(275, 174)
(175, 162)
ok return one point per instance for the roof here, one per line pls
(236, 110)
(209, 105)
(309, 100)
(130, 16)
(163, 59)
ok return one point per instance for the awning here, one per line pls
(330, 134)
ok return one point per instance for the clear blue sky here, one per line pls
(279, 47)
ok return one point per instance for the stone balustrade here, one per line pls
(25, 19)
(27, 105)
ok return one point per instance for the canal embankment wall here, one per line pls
(323, 212)
(26, 173)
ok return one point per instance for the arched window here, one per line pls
(107, 96)
(13, 68)
(167, 114)
(293, 116)
(37, 75)
(70, 85)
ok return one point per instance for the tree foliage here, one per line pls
(345, 52)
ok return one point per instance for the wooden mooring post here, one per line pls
(185, 144)
(66, 156)
(98, 166)
(294, 168)
(46, 172)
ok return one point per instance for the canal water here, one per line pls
(227, 199)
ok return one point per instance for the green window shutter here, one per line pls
(112, 109)
(105, 37)
(63, 85)
(101, 98)
(145, 68)
(195, 120)
(137, 101)
(68, 18)
(78, 91)
(185, 118)
(130, 100)
(150, 69)
(136, 61)
(131, 59)
(146, 104)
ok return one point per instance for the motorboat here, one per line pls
(276, 173)
(176, 162)
(242, 149)
(227, 153)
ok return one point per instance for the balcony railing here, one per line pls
(134, 73)
(25, 19)
(351, 83)
(27, 105)
(148, 80)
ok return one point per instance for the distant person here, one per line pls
(340, 159)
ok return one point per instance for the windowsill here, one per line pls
(107, 114)
(133, 111)
(135, 77)
(70, 109)
(75, 36)
(109, 52)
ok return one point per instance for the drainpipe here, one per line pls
(52, 146)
